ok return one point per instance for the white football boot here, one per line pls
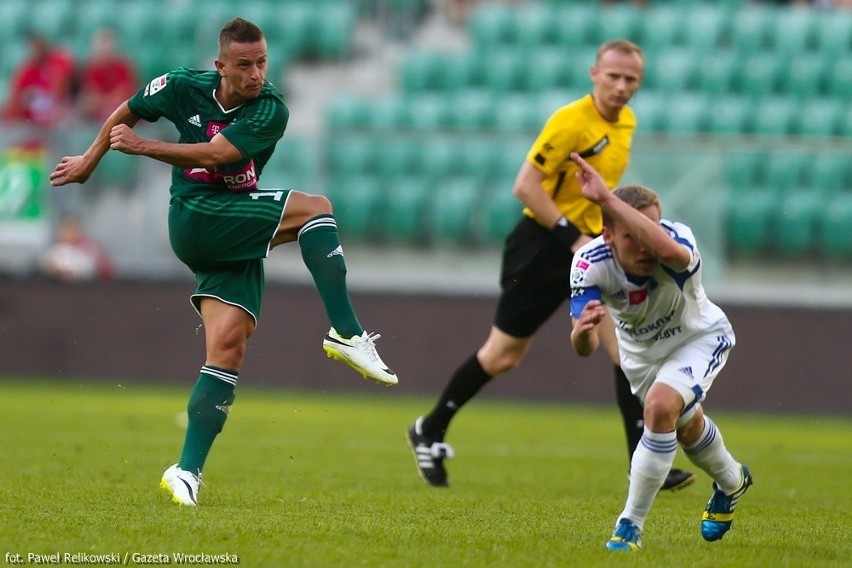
(181, 485)
(360, 353)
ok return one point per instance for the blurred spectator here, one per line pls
(107, 78)
(75, 256)
(40, 89)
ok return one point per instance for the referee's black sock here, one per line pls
(463, 385)
(631, 411)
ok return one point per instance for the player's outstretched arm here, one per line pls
(217, 152)
(77, 169)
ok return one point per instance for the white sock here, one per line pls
(649, 467)
(710, 454)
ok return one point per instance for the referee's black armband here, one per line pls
(566, 233)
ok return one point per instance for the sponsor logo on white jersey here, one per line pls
(156, 85)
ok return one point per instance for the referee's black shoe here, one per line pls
(678, 479)
(429, 455)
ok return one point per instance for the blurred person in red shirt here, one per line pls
(76, 256)
(107, 78)
(41, 88)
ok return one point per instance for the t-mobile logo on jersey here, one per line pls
(214, 127)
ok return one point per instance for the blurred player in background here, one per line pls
(222, 225)
(537, 256)
(673, 341)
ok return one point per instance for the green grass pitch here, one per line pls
(319, 479)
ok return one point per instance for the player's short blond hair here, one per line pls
(637, 196)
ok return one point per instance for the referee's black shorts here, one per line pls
(534, 279)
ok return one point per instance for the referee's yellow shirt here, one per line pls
(578, 127)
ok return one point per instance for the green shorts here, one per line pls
(223, 238)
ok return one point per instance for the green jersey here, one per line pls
(186, 98)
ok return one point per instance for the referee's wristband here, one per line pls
(566, 233)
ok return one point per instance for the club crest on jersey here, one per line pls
(156, 85)
(636, 297)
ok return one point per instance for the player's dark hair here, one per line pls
(636, 196)
(238, 30)
(622, 45)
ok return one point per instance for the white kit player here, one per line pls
(673, 342)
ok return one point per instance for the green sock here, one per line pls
(323, 256)
(209, 404)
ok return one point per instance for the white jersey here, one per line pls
(654, 315)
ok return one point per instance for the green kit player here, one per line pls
(222, 225)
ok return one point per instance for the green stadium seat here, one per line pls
(759, 73)
(704, 27)
(292, 165)
(576, 24)
(796, 223)
(405, 202)
(716, 72)
(804, 76)
(508, 158)
(828, 173)
(491, 26)
(659, 27)
(784, 172)
(427, 111)
(389, 112)
(396, 157)
(440, 158)
(348, 112)
(55, 19)
(622, 20)
(336, 30)
(751, 28)
(351, 155)
(514, 113)
(356, 202)
(819, 117)
(794, 30)
(846, 123)
(503, 69)
(835, 228)
(297, 25)
(501, 211)
(749, 221)
(535, 26)
(453, 211)
(470, 110)
(460, 71)
(650, 108)
(730, 114)
(775, 116)
(578, 63)
(834, 38)
(16, 18)
(744, 171)
(686, 113)
(839, 78)
(420, 70)
(91, 15)
(671, 70)
(547, 71)
(155, 60)
(476, 158)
